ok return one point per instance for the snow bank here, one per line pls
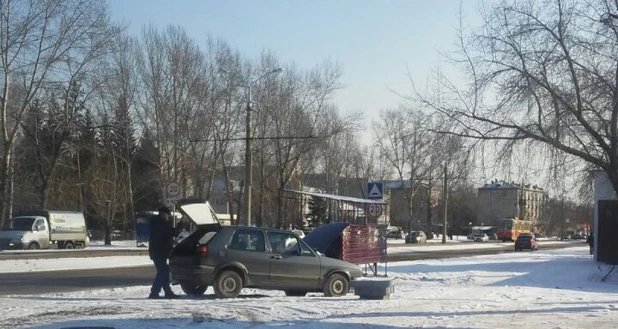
(55, 264)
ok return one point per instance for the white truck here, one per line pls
(44, 229)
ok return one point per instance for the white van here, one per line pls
(45, 229)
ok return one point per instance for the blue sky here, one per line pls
(376, 41)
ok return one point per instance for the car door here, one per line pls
(41, 233)
(293, 265)
(247, 247)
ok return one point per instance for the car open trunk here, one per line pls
(205, 219)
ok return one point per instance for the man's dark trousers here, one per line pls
(162, 279)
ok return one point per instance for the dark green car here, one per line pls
(234, 257)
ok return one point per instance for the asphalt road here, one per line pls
(67, 281)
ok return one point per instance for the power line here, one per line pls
(254, 138)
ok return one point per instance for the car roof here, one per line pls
(265, 229)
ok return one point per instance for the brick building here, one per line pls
(500, 199)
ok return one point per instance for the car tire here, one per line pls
(336, 285)
(228, 285)
(33, 246)
(295, 293)
(191, 289)
(69, 245)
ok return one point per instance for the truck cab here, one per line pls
(25, 232)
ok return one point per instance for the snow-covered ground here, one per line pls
(541, 290)
(117, 244)
(55, 264)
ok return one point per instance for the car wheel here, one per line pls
(69, 245)
(193, 289)
(337, 285)
(295, 293)
(33, 245)
(228, 285)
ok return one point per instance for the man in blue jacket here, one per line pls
(160, 244)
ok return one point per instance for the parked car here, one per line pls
(231, 258)
(481, 238)
(526, 241)
(416, 237)
(578, 237)
(395, 235)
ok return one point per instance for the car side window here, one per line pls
(283, 243)
(248, 240)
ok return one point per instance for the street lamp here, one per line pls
(248, 137)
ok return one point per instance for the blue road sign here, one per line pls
(375, 190)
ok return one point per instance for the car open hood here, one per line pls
(322, 237)
(199, 212)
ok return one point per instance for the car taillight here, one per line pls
(202, 250)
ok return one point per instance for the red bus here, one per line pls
(508, 229)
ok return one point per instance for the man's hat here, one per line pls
(165, 210)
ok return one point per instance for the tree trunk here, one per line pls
(5, 175)
(131, 207)
(107, 224)
(429, 202)
(229, 191)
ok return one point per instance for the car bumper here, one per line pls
(12, 246)
(201, 274)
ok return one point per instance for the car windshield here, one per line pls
(19, 224)
(525, 237)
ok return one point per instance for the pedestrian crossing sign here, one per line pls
(375, 190)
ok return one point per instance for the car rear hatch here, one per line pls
(206, 221)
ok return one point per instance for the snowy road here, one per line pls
(545, 290)
(74, 274)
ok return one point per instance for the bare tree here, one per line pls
(543, 72)
(403, 136)
(42, 41)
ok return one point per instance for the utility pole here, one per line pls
(445, 197)
(563, 220)
(248, 139)
(248, 161)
